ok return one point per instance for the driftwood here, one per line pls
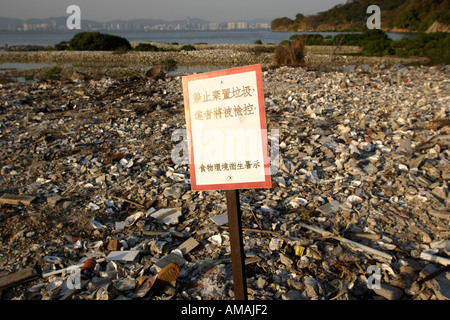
(18, 277)
(365, 248)
(16, 199)
(430, 256)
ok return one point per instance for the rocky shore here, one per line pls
(362, 190)
(212, 55)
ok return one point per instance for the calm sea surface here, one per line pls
(181, 37)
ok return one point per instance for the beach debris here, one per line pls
(167, 216)
(155, 73)
(362, 182)
(126, 255)
(16, 199)
(20, 276)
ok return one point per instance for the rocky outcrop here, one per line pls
(438, 27)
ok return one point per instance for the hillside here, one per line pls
(396, 15)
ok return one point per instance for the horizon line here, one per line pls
(131, 19)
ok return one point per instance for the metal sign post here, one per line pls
(237, 245)
(227, 144)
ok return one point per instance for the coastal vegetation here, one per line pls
(96, 41)
(146, 47)
(187, 47)
(377, 43)
(374, 42)
(396, 15)
(434, 46)
(54, 73)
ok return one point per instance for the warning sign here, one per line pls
(226, 125)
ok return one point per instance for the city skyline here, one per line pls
(169, 10)
(59, 24)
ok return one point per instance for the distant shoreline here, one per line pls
(231, 55)
(181, 37)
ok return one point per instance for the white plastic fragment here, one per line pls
(275, 244)
(93, 206)
(97, 225)
(216, 239)
(129, 255)
(167, 216)
(430, 255)
(220, 219)
(129, 221)
(52, 259)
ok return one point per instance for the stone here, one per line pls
(284, 259)
(275, 244)
(439, 284)
(155, 73)
(54, 199)
(371, 169)
(126, 284)
(405, 145)
(175, 191)
(261, 283)
(292, 295)
(443, 214)
(167, 216)
(329, 208)
(312, 287)
(388, 291)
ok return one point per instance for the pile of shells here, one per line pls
(360, 189)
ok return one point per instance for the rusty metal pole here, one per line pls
(237, 245)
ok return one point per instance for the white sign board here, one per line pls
(226, 125)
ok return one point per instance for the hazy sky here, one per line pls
(212, 10)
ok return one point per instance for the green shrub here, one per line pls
(377, 48)
(433, 45)
(169, 64)
(347, 39)
(145, 47)
(263, 49)
(258, 41)
(308, 39)
(188, 47)
(54, 73)
(377, 43)
(373, 42)
(410, 20)
(282, 23)
(63, 45)
(92, 41)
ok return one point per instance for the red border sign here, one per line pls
(224, 101)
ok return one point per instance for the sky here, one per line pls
(211, 10)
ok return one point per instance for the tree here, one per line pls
(92, 41)
(282, 23)
(410, 20)
(298, 18)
